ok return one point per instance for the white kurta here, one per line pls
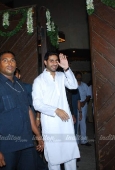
(48, 95)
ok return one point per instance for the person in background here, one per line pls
(41, 164)
(85, 96)
(49, 98)
(69, 99)
(76, 110)
(17, 73)
(17, 150)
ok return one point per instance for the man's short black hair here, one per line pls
(49, 53)
(5, 52)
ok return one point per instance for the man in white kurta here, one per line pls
(49, 98)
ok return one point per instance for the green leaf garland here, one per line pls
(53, 37)
(110, 3)
(52, 30)
(20, 24)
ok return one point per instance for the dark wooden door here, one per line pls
(102, 43)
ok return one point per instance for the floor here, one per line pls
(87, 160)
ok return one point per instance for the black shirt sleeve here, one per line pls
(69, 99)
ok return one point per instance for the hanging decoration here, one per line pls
(26, 14)
(110, 3)
(89, 6)
(29, 21)
(52, 30)
(6, 20)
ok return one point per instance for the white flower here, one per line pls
(6, 19)
(51, 29)
(48, 15)
(48, 26)
(89, 4)
(29, 21)
(52, 26)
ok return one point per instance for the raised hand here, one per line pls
(63, 61)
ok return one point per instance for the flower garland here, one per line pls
(52, 30)
(5, 20)
(29, 21)
(26, 14)
(89, 6)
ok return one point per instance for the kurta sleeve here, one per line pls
(38, 103)
(70, 80)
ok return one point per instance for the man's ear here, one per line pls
(45, 62)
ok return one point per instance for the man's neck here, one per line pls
(79, 82)
(51, 72)
(9, 77)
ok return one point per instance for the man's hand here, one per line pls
(63, 61)
(62, 114)
(82, 103)
(2, 161)
(40, 145)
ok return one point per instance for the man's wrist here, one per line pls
(66, 69)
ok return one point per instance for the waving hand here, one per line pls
(63, 61)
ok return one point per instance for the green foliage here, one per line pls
(53, 35)
(20, 24)
(110, 3)
(90, 11)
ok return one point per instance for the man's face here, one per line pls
(52, 63)
(7, 64)
(79, 77)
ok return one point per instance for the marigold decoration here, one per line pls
(6, 20)
(52, 30)
(89, 6)
(29, 21)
